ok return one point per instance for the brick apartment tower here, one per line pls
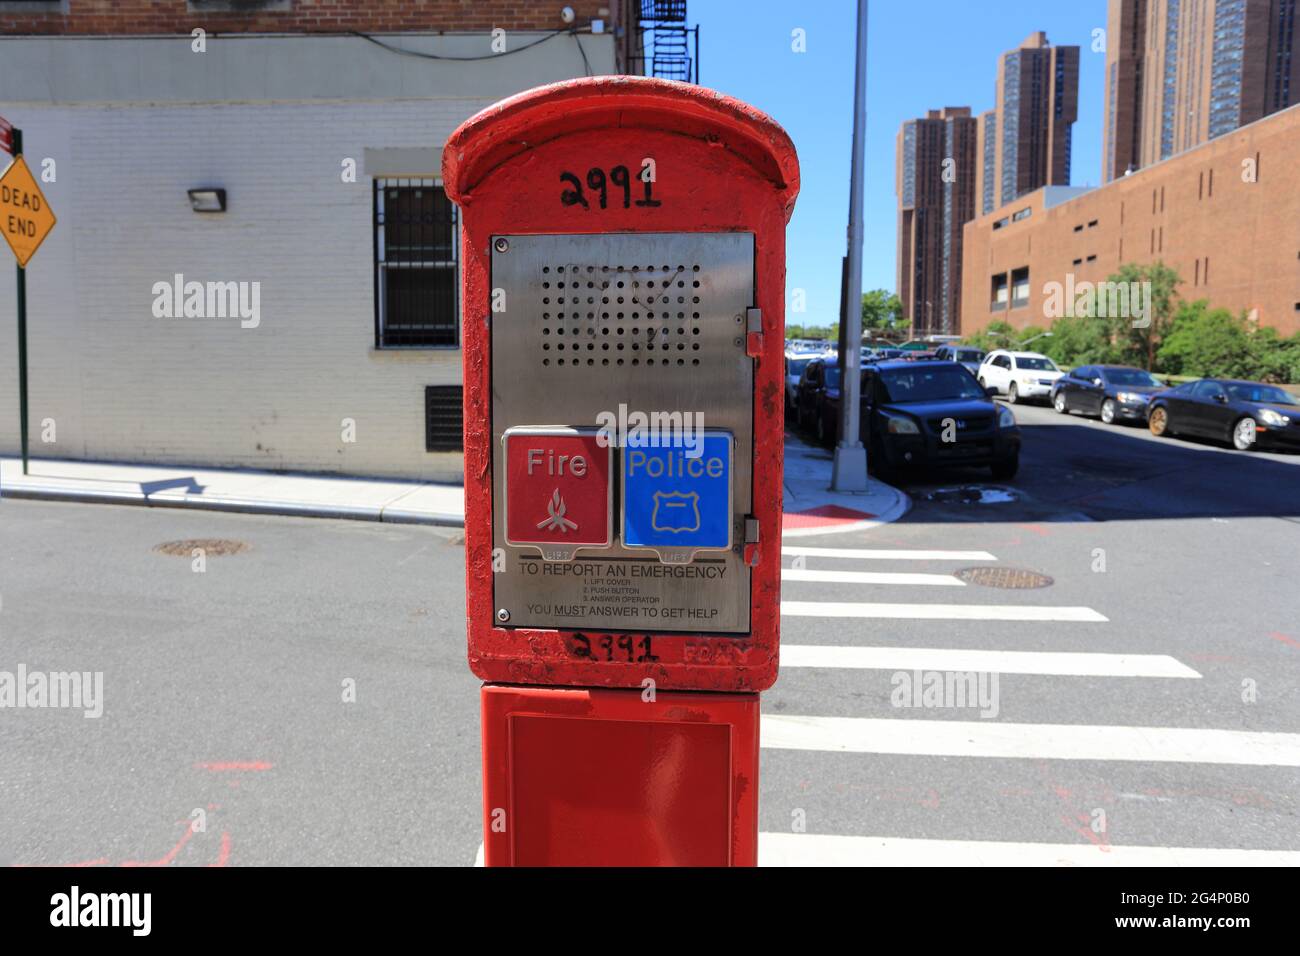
(1182, 72)
(935, 200)
(1031, 125)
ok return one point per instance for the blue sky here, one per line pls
(745, 50)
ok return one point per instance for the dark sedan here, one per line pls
(1247, 414)
(934, 414)
(817, 399)
(1112, 392)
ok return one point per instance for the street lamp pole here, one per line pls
(849, 473)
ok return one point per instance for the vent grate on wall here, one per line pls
(443, 414)
(627, 315)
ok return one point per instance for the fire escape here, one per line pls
(669, 49)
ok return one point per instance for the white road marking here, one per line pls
(940, 612)
(975, 738)
(876, 554)
(870, 577)
(1059, 663)
(808, 849)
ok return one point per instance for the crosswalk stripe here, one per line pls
(940, 612)
(974, 738)
(808, 849)
(877, 554)
(870, 577)
(1056, 663)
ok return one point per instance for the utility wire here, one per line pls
(491, 56)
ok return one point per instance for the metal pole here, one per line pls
(22, 332)
(849, 472)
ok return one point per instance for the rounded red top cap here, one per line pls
(523, 121)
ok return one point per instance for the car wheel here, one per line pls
(1006, 469)
(983, 384)
(1059, 403)
(1108, 412)
(1013, 394)
(1158, 422)
(1243, 434)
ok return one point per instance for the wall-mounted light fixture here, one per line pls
(208, 200)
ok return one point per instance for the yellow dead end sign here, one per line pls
(25, 217)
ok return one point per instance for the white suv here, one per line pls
(1019, 374)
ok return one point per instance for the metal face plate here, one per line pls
(593, 330)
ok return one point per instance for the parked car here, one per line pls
(1247, 414)
(795, 363)
(967, 355)
(817, 399)
(1019, 375)
(1113, 392)
(934, 414)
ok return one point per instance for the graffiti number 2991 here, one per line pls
(600, 185)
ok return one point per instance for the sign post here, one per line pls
(25, 221)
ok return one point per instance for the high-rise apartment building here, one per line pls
(1025, 142)
(1182, 72)
(936, 180)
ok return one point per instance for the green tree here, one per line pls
(995, 335)
(1210, 342)
(1079, 340)
(1137, 338)
(881, 311)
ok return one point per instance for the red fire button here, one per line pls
(558, 490)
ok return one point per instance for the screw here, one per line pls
(502, 245)
(740, 318)
(738, 342)
(502, 614)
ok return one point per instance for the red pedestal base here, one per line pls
(598, 777)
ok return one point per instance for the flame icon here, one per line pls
(555, 520)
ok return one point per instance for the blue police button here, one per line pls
(671, 500)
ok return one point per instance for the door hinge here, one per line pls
(751, 542)
(753, 332)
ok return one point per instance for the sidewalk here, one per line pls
(809, 507)
(176, 486)
(812, 508)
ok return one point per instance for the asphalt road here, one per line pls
(225, 690)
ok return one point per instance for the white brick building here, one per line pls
(277, 121)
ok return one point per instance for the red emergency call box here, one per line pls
(622, 293)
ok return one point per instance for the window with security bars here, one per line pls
(415, 265)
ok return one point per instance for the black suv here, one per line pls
(934, 413)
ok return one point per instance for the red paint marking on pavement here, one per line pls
(824, 516)
(223, 858)
(103, 861)
(1284, 639)
(1036, 529)
(169, 856)
(217, 767)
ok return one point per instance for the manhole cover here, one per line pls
(211, 547)
(1007, 578)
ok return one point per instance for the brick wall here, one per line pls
(307, 16)
(1195, 212)
(120, 384)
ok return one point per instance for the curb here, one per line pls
(238, 505)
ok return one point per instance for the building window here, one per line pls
(1022, 214)
(1002, 223)
(1092, 224)
(415, 265)
(1019, 287)
(999, 296)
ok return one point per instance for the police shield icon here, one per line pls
(676, 511)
